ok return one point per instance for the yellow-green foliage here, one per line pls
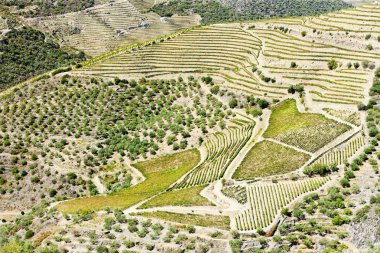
(307, 131)
(216, 221)
(160, 173)
(184, 197)
(268, 158)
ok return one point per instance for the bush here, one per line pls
(190, 229)
(236, 245)
(129, 244)
(52, 193)
(373, 131)
(298, 213)
(260, 231)
(332, 64)
(101, 249)
(233, 103)
(338, 220)
(215, 89)
(29, 234)
(345, 182)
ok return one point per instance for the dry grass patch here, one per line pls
(184, 197)
(307, 131)
(216, 221)
(268, 158)
(160, 173)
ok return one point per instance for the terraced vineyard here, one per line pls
(266, 200)
(103, 28)
(340, 154)
(221, 151)
(225, 51)
(229, 52)
(362, 19)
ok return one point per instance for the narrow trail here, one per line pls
(99, 185)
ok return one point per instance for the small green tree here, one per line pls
(233, 103)
(332, 64)
(345, 182)
(215, 89)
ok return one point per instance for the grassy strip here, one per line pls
(216, 221)
(160, 173)
(184, 197)
(268, 158)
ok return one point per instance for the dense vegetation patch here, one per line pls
(49, 7)
(307, 131)
(216, 221)
(27, 52)
(268, 158)
(160, 173)
(89, 125)
(213, 11)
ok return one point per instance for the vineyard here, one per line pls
(255, 58)
(362, 19)
(221, 149)
(223, 51)
(306, 131)
(341, 154)
(266, 200)
(267, 158)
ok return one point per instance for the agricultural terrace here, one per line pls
(224, 51)
(262, 58)
(266, 200)
(221, 150)
(362, 19)
(267, 158)
(342, 86)
(105, 27)
(215, 221)
(306, 131)
(343, 152)
(159, 174)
